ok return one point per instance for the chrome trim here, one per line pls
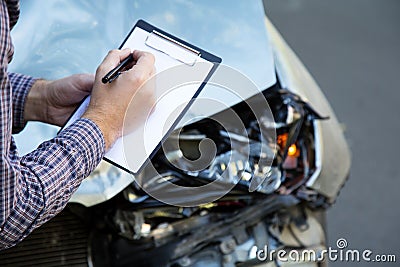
(318, 152)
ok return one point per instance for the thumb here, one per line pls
(85, 82)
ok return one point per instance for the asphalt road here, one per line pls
(352, 49)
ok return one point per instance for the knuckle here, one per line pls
(80, 76)
(150, 56)
(149, 94)
(100, 69)
(138, 78)
(113, 52)
(151, 98)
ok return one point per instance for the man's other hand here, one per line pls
(54, 101)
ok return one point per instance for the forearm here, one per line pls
(109, 132)
(35, 106)
(46, 178)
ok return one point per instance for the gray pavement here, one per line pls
(352, 48)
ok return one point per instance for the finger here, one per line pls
(113, 58)
(85, 82)
(144, 66)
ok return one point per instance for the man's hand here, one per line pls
(54, 101)
(109, 102)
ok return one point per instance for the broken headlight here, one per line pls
(279, 164)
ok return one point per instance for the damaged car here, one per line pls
(296, 161)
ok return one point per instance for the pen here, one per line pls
(115, 72)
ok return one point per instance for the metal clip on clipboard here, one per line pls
(172, 48)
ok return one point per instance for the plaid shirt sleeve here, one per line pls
(20, 84)
(35, 187)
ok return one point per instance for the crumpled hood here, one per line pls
(58, 38)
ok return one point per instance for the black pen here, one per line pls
(115, 72)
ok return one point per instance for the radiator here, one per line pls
(61, 241)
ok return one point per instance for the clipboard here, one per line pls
(175, 59)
